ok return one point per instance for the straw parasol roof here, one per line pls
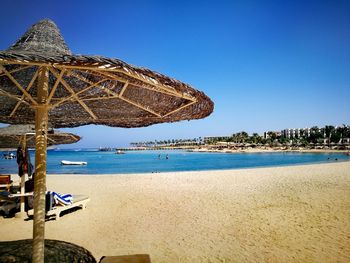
(42, 82)
(93, 89)
(11, 135)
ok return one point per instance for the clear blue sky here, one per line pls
(267, 65)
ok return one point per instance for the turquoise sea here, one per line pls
(147, 161)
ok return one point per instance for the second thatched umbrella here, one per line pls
(13, 135)
(41, 80)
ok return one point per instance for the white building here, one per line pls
(296, 133)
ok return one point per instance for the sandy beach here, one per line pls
(283, 214)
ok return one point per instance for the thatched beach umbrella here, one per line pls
(41, 81)
(12, 135)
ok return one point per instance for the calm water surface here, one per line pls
(148, 162)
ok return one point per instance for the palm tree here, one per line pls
(315, 134)
(328, 130)
(255, 138)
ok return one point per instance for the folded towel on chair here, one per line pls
(61, 199)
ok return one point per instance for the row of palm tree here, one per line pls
(326, 135)
(169, 142)
(330, 133)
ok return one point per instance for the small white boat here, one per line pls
(64, 162)
(119, 152)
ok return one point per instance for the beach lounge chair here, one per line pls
(5, 182)
(79, 201)
(7, 205)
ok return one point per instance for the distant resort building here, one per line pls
(308, 132)
(296, 133)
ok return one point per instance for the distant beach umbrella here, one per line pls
(11, 136)
(41, 81)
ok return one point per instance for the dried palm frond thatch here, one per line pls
(12, 135)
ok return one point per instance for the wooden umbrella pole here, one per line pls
(41, 123)
(22, 213)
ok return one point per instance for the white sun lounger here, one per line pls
(78, 201)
